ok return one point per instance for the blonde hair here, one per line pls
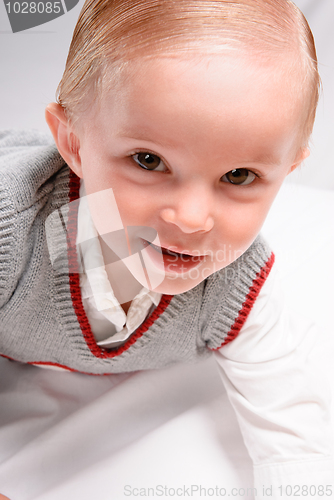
(110, 33)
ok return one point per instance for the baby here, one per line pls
(138, 245)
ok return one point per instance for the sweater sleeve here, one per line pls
(8, 216)
(276, 380)
(27, 160)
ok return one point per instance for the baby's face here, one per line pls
(197, 150)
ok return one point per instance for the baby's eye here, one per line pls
(239, 176)
(149, 161)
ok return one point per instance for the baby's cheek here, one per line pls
(2, 497)
(242, 224)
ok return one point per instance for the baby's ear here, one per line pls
(65, 138)
(302, 154)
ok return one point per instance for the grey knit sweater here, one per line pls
(42, 320)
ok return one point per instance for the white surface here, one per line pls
(32, 64)
(76, 437)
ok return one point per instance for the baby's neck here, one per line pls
(126, 306)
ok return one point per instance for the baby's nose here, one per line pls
(192, 212)
(187, 223)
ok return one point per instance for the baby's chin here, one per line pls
(176, 284)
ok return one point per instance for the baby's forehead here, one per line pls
(196, 89)
(170, 68)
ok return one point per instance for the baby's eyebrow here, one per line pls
(266, 159)
(145, 135)
(127, 134)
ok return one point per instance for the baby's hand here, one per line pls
(2, 497)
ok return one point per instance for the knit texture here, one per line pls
(42, 319)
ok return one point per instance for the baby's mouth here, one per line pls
(171, 253)
(171, 261)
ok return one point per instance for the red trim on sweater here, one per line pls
(252, 295)
(74, 281)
